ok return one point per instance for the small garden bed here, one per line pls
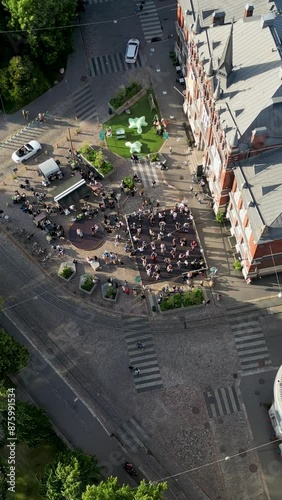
(125, 94)
(67, 270)
(87, 284)
(191, 298)
(95, 158)
(150, 140)
(109, 292)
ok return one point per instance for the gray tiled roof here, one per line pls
(254, 81)
(263, 175)
(234, 9)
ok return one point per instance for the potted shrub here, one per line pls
(219, 217)
(87, 284)
(67, 270)
(109, 292)
(237, 265)
(95, 158)
(128, 182)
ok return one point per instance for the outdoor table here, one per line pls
(49, 228)
(178, 69)
(39, 218)
(182, 81)
(120, 133)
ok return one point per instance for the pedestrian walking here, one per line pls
(153, 183)
(41, 117)
(140, 345)
(170, 149)
(131, 368)
(142, 296)
(163, 248)
(137, 372)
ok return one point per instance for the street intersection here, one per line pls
(204, 372)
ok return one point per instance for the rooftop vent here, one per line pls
(267, 20)
(218, 18)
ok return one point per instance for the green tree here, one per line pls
(32, 425)
(32, 17)
(69, 475)
(110, 490)
(13, 355)
(21, 82)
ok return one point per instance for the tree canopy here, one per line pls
(110, 490)
(13, 355)
(69, 475)
(32, 425)
(52, 15)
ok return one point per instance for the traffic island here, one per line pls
(67, 270)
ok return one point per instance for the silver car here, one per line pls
(132, 49)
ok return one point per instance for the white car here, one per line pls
(26, 151)
(132, 49)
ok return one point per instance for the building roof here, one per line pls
(234, 9)
(260, 182)
(253, 82)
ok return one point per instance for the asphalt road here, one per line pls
(77, 423)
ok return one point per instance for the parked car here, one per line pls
(26, 151)
(132, 49)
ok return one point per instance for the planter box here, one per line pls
(104, 289)
(71, 265)
(129, 103)
(81, 281)
(161, 159)
(99, 174)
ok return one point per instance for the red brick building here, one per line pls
(233, 89)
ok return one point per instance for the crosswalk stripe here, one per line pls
(146, 172)
(138, 330)
(112, 63)
(248, 337)
(83, 103)
(149, 17)
(222, 401)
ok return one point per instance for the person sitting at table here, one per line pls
(79, 233)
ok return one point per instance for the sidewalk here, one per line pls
(181, 163)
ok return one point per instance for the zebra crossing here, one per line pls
(150, 22)
(29, 133)
(222, 401)
(83, 103)
(146, 172)
(248, 336)
(112, 63)
(138, 330)
(133, 435)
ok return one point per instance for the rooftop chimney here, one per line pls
(249, 10)
(218, 18)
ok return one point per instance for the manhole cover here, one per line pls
(261, 381)
(223, 449)
(261, 363)
(83, 78)
(253, 468)
(242, 453)
(220, 420)
(257, 393)
(235, 375)
(195, 410)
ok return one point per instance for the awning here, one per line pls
(48, 167)
(70, 192)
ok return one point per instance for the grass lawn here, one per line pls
(30, 464)
(151, 142)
